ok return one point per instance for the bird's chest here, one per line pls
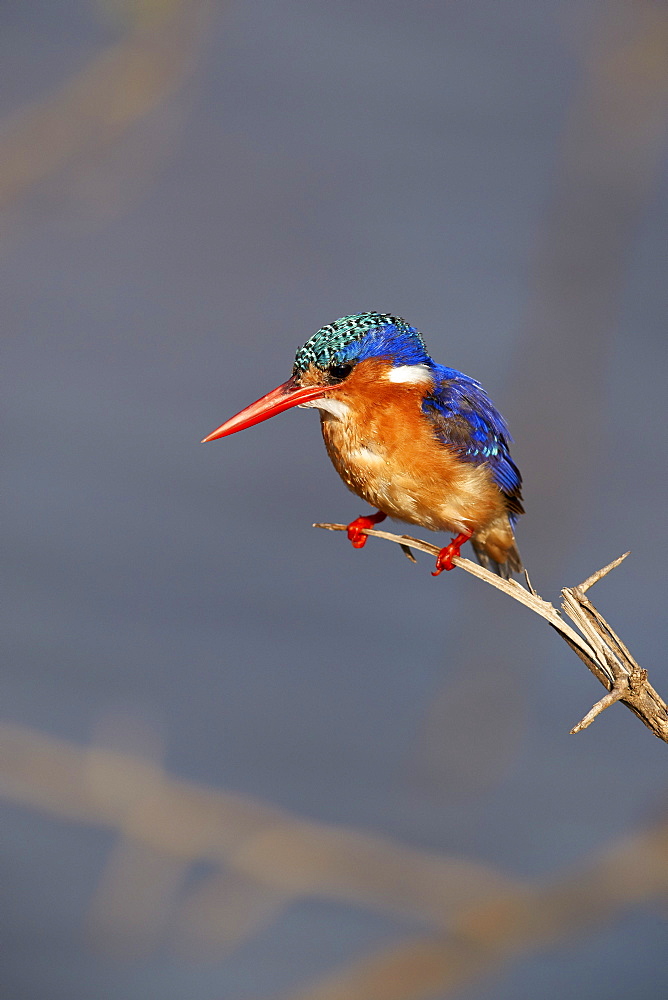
(391, 458)
(361, 454)
(381, 457)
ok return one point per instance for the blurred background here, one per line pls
(239, 758)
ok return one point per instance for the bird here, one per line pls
(418, 441)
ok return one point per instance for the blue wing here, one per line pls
(465, 419)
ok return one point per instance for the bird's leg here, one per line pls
(355, 528)
(450, 552)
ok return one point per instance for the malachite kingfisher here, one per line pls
(418, 441)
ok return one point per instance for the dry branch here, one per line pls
(593, 640)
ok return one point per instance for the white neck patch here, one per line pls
(409, 374)
(335, 407)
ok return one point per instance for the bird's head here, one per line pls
(328, 365)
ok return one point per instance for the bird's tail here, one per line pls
(496, 548)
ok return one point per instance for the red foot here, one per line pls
(355, 528)
(450, 552)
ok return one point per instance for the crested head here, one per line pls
(361, 336)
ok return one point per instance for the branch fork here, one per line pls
(592, 639)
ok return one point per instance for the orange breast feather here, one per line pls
(384, 448)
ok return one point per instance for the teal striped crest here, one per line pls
(329, 343)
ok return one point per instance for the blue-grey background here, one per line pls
(188, 190)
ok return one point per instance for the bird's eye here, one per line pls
(338, 372)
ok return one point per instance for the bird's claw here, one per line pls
(450, 552)
(355, 529)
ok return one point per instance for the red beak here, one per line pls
(283, 398)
